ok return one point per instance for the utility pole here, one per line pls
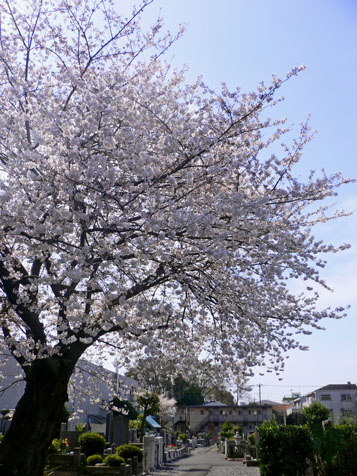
(260, 394)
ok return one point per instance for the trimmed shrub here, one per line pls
(284, 450)
(228, 430)
(340, 450)
(113, 460)
(129, 451)
(91, 443)
(94, 459)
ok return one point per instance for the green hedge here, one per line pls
(94, 459)
(114, 461)
(339, 451)
(289, 450)
(91, 443)
(284, 450)
(129, 451)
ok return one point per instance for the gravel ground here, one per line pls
(206, 462)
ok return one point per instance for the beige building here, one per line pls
(210, 416)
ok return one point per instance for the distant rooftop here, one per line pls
(333, 386)
(213, 403)
(342, 386)
(270, 402)
(216, 404)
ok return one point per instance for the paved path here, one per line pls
(206, 462)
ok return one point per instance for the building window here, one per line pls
(259, 412)
(346, 397)
(325, 397)
(249, 412)
(201, 412)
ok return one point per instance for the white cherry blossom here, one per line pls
(138, 210)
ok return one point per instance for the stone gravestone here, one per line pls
(72, 437)
(117, 430)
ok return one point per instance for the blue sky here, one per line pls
(242, 42)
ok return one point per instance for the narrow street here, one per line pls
(206, 462)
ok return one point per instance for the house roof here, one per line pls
(330, 387)
(270, 403)
(152, 422)
(213, 403)
(343, 386)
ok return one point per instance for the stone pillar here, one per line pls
(149, 453)
(129, 467)
(78, 457)
(226, 447)
(160, 449)
(122, 469)
(135, 465)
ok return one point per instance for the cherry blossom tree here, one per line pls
(138, 209)
(167, 409)
(164, 374)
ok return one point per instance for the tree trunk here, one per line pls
(37, 418)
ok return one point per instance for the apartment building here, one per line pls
(341, 399)
(210, 416)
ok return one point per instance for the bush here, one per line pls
(94, 459)
(228, 430)
(315, 414)
(136, 424)
(340, 450)
(284, 450)
(55, 446)
(80, 426)
(91, 443)
(113, 460)
(129, 451)
(251, 439)
(182, 436)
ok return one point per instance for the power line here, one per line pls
(270, 385)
